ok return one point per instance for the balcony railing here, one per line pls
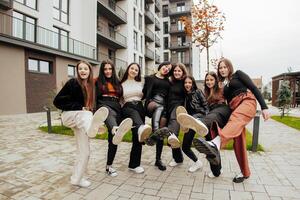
(149, 17)
(120, 65)
(111, 34)
(179, 10)
(157, 41)
(149, 35)
(116, 10)
(176, 45)
(175, 28)
(185, 59)
(157, 58)
(149, 54)
(21, 30)
(157, 6)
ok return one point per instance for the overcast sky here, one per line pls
(261, 37)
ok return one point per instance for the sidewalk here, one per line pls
(36, 165)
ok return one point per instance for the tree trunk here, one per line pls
(207, 55)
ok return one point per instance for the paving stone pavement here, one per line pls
(36, 165)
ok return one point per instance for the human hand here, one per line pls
(265, 114)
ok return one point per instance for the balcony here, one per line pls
(185, 59)
(157, 41)
(157, 58)
(110, 37)
(6, 4)
(157, 6)
(176, 29)
(113, 12)
(22, 33)
(180, 10)
(157, 25)
(149, 54)
(149, 17)
(149, 35)
(178, 46)
(120, 65)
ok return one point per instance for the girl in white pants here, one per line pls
(76, 100)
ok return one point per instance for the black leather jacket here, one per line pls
(196, 103)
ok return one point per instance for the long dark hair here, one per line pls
(182, 67)
(102, 80)
(212, 94)
(229, 65)
(88, 88)
(194, 85)
(137, 78)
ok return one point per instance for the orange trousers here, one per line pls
(243, 109)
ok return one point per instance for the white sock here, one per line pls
(216, 141)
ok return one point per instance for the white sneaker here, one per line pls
(173, 141)
(98, 120)
(180, 110)
(189, 121)
(144, 132)
(123, 128)
(173, 163)
(82, 183)
(111, 171)
(137, 170)
(196, 166)
(211, 175)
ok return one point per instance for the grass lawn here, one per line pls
(293, 122)
(127, 138)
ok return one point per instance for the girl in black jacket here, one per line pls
(196, 105)
(108, 94)
(76, 100)
(156, 90)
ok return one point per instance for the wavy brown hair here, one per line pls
(88, 87)
(229, 65)
(182, 67)
(213, 93)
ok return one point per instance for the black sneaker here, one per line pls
(161, 166)
(215, 169)
(239, 178)
(211, 151)
(162, 133)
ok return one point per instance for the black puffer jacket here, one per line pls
(195, 103)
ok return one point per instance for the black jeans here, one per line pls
(174, 127)
(135, 111)
(112, 120)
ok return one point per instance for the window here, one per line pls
(166, 56)
(140, 22)
(134, 57)
(165, 11)
(180, 7)
(166, 27)
(141, 61)
(135, 40)
(41, 66)
(134, 14)
(180, 25)
(29, 3)
(61, 40)
(141, 43)
(71, 71)
(166, 42)
(180, 40)
(24, 27)
(181, 56)
(61, 10)
(112, 55)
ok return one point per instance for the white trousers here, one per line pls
(79, 122)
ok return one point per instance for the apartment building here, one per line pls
(40, 43)
(177, 46)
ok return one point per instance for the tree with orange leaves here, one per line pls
(205, 26)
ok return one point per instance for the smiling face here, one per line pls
(210, 81)
(133, 71)
(223, 70)
(188, 84)
(165, 69)
(178, 73)
(83, 71)
(107, 71)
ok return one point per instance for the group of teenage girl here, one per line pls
(171, 98)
